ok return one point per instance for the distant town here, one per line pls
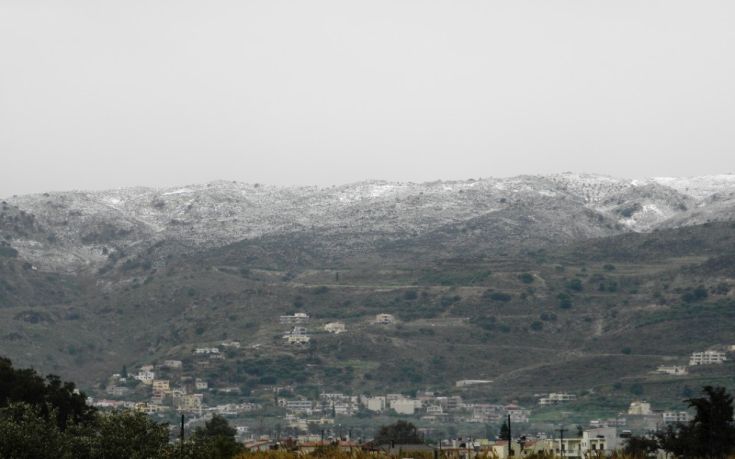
(181, 386)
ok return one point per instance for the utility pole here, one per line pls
(510, 439)
(182, 435)
(561, 439)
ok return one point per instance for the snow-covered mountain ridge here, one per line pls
(74, 229)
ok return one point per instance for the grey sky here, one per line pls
(97, 94)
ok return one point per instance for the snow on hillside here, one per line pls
(700, 187)
(87, 226)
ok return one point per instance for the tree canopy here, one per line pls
(400, 432)
(710, 434)
(48, 396)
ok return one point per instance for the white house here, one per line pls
(674, 370)
(146, 376)
(603, 440)
(384, 319)
(517, 414)
(300, 406)
(297, 339)
(707, 358)
(639, 408)
(374, 403)
(471, 382)
(298, 318)
(675, 416)
(172, 364)
(557, 397)
(206, 350)
(200, 384)
(405, 406)
(335, 327)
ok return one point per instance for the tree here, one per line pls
(640, 447)
(26, 433)
(128, 434)
(504, 433)
(401, 432)
(216, 440)
(52, 398)
(710, 434)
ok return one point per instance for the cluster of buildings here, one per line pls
(708, 357)
(298, 334)
(426, 406)
(166, 387)
(653, 419)
(594, 442)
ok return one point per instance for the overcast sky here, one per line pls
(98, 94)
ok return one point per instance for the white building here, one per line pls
(639, 408)
(298, 331)
(343, 409)
(300, 406)
(603, 440)
(188, 402)
(405, 406)
(172, 364)
(298, 318)
(675, 416)
(517, 414)
(301, 340)
(674, 370)
(335, 327)
(557, 397)
(374, 403)
(297, 335)
(145, 375)
(707, 358)
(471, 382)
(384, 319)
(200, 384)
(206, 350)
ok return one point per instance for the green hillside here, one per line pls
(595, 318)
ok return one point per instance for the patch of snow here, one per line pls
(179, 191)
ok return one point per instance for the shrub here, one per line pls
(500, 296)
(410, 295)
(575, 284)
(526, 278)
(565, 301)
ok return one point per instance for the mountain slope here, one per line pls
(74, 231)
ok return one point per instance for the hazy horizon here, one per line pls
(118, 94)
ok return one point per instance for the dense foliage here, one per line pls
(710, 434)
(42, 419)
(400, 432)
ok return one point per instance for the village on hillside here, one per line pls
(188, 386)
